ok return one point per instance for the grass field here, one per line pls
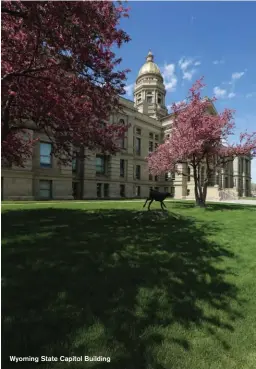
(94, 279)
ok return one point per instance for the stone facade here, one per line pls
(126, 174)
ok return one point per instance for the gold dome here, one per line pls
(149, 66)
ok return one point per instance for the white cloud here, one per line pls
(192, 19)
(231, 95)
(216, 62)
(185, 63)
(219, 92)
(237, 75)
(222, 93)
(180, 102)
(188, 75)
(170, 78)
(187, 67)
(249, 95)
(129, 89)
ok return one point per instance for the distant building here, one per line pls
(125, 174)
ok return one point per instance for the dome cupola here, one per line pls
(149, 92)
(149, 67)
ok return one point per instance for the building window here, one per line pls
(166, 177)
(150, 188)
(75, 163)
(150, 177)
(122, 140)
(137, 191)
(98, 189)
(159, 100)
(151, 135)
(138, 131)
(166, 189)
(188, 192)
(217, 179)
(122, 166)
(247, 166)
(156, 188)
(45, 189)
(242, 165)
(156, 137)
(188, 174)
(226, 182)
(173, 191)
(122, 190)
(156, 145)
(137, 172)
(45, 154)
(150, 146)
(173, 176)
(149, 99)
(100, 164)
(138, 146)
(106, 190)
(156, 178)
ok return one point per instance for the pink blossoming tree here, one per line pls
(197, 138)
(59, 72)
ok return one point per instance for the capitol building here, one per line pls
(126, 174)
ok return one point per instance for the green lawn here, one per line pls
(94, 279)
(248, 198)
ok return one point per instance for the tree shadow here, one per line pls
(105, 283)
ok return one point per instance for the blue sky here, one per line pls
(193, 39)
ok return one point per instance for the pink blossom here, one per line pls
(61, 94)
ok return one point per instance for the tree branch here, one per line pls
(13, 12)
(22, 73)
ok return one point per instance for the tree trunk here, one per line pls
(197, 195)
(200, 194)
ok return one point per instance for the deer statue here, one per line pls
(157, 196)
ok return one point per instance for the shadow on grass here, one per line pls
(103, 283)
